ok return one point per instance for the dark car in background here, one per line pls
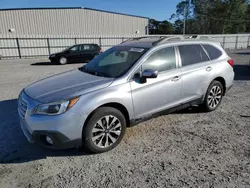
(76, 53)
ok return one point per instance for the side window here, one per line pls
(74, 49)
(85, 47)
(95, 47)
(161, 60)
(213, 52)
(192, 54)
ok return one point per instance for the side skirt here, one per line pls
(165, 112)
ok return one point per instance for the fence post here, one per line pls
(100, 42)
(122, 39)
(236, 42)
(48, 46)
(75, 41)
(248, 41)
(18, 48)
(224, 41)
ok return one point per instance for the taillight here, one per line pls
(231, 62)
(101, 50)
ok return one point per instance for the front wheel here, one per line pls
(104, 130)
(213, 96)
(63, 60)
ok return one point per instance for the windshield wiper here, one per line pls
(101, 74)
(93, 72)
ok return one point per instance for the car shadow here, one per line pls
(190, 110)
(45, 63)
(243, 53)
(14, 147)
(242, 72)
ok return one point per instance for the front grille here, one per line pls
(22, 107)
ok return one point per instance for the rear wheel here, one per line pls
(104, 130)
(213, 96)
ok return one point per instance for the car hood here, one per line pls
(65, 86)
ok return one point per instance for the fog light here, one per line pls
(49, 140)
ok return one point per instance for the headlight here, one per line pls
(55, 108)
(52, 55)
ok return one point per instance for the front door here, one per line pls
(74, 54)
(159, 93)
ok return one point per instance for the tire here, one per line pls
(63, 60)
(97, 136)
(213, 96)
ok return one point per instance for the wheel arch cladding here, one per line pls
(115, 105)
(223, 82)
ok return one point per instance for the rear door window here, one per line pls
(85, 47)
(192, 54)
(213, 52)
(95, 47)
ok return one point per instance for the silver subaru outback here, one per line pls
(128, 83)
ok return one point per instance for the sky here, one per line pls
(156, 9)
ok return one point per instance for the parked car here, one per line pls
(123, 86)
(76, 53)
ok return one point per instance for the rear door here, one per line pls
(87, 52)
(197, 71)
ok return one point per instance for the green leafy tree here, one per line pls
(160, 27)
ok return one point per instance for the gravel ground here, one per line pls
(185, 149)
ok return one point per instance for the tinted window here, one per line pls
(95, 47)
(161, 60)
(86, 47)
(213, 52)
(74, 49)
(191, 54)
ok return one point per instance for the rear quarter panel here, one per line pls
(224, 70)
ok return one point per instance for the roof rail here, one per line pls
(199, 37)
(138, 38)
(164, 39)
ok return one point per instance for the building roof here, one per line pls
(49, 8)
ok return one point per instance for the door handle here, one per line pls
(176, 78)
(208, 69)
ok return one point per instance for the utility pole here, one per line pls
(185, 17)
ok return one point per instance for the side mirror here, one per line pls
(148, 73)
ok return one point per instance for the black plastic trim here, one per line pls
(60, 140)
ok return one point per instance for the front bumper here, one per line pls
(65, 130)
(53, 59)
(60, 141)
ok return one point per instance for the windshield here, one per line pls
(115, 61)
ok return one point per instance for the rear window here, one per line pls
(192, 54)
(95, 47)
(213, 52)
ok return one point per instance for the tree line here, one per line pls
(206, 17)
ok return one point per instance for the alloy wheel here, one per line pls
(63, 60)
(106, 131)
(214, 97)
